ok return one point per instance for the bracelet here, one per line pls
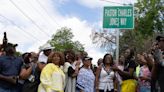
(115, 89)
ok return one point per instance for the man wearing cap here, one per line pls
(10, 67)
(158, 66)
(43, 57)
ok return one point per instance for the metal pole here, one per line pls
(117, 44)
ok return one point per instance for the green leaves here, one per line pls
(62, 40)
(150, 21)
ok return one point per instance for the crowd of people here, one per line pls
(69, 71)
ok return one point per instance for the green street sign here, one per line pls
(121, 17)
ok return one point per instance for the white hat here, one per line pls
(46, 47)
(87, 58)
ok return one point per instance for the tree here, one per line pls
(149, 21)
(62, 40)
(104, 39)
(131, 39)
(18, 53)
(150, 17)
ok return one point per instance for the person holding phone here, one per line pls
(158, 65)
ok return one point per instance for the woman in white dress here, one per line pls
(105, 76)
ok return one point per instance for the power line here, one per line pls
(40, 13)
(19, 27)
(29, 18)
(114, 2)
(47, 12)
(130, 1)
(3, 27)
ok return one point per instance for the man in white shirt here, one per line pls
(43, 57)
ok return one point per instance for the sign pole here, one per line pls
(117, 44)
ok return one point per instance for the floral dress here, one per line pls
(144, 85)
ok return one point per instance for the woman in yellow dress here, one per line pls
(52, 77)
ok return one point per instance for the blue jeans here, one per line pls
(145, 89)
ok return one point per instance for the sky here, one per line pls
(31, 23)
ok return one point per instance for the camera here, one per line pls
(31, 78)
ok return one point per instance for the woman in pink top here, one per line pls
(144, 76)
